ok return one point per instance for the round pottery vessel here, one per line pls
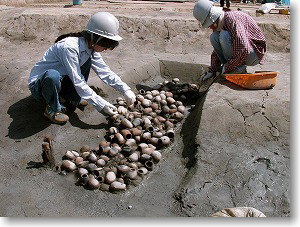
(82, 171)
(78, 160)
(117, 186)
(93, 183)
(104, 187)
(149, 165)
(85, 148)
(133, 157)
(68, 166)
(110, 177)
(70, 155)
(132, 174)
(142, 171)
(156, 156)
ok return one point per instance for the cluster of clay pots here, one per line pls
(131, 146)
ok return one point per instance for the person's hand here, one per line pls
(109, 109)
(129, 97)
(206, 76)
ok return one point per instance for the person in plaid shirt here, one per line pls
(237, 40)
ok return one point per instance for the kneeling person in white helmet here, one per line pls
(237, 40)
(60, 77)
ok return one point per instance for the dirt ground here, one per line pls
(232, 150)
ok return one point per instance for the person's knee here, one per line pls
(214, 38)
(225, 38)
(52, 77)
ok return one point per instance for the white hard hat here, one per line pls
(104, 24)
(206, 13)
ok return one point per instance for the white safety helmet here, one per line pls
(206, 13)
(104, 24)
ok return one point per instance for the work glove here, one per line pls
(206, 76)
(109, 109)
(129, 97)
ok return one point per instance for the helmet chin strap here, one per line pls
(94, 43)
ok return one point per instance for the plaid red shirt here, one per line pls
(246, 35)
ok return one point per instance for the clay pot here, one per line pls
(123, 168)
(112, 131)
(100, 162)
(85, 148)
(127, 150)
(117, 186)
(92, 183)
(84, 155)
(170, 133)
(177, 116)
(78, 160)
(83, 179)
(164, 140)
(126, 123)
(146, 121)
(181, 109)
(104, 149)
(169, 125)
(126, 133)
(83, 164)
(139, 98)
(104, 157)
(142, 171)
(149, 96)
(169, 94)
(147, 110)
(122, 110)
(68, 166)
(157, 99)
(165, 109)
(69, 155)
(178, 103)
(99, 172)
(138, 139)
(104, 187)
(92, 157)
(141, 146)
(131, 174)
(155, 92)
(146, 103)
(156, 156)
(161, 119)
(113, 151)
(148, 150)
(145, 157)
(91, 167)
(82, 171)
(130, 142)
(101, 179)
(152, 146)
(175, 80)
(142, 91)
(137, 121)
(110, 177)
(146, 136)
(136, 132)
(149, 165)
(157, 134)
(133, 157)
(120, 179)
(133, 165)
(120, 139)
(153, 140)
(162, 96)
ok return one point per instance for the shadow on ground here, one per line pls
(27, 118)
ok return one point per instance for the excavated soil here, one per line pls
(232, 149)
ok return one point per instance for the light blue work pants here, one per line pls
(51, 85)
(222, 44)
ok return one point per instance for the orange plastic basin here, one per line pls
(257, 80)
